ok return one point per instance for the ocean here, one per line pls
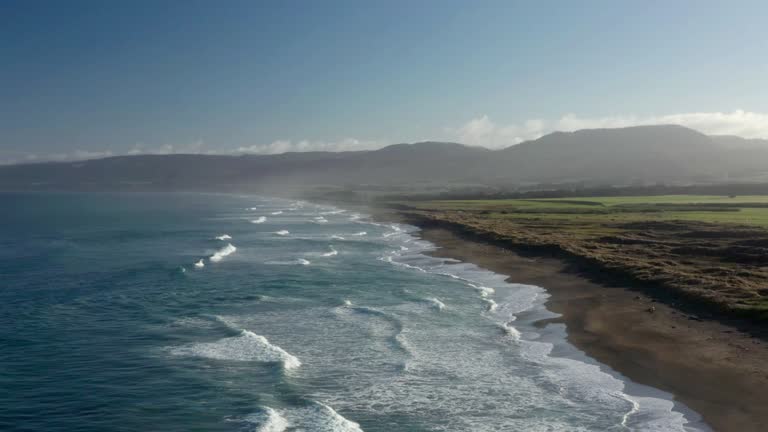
(216, 312)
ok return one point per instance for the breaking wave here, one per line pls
(510, 331)
(435, 303)
(282, 232)
(227, 250)
(247, 346)
(268, 420)
(224, 237)
(275, 213)
(300, 261)
(490, 305)
(332, 252)
(483, 290)
(332, 212)
(260, 219)
(315, 417)
(200, 263)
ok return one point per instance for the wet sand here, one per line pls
(713, 368)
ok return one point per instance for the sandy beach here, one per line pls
(711, 367)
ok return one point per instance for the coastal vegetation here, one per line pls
(702, 250)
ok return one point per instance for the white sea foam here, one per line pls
(259, 220)
(247, 346)
(227, 250)
(579, 383)
(483, 290)
(395, 231)
(491, 305)
(300, 261)
(282, 232)
(389, 259)
(347, 303)
(332, 252)
(360, 234)
(275, 213)
(332, 212)
(510, 331)
(199, 263)
(315, 417)
(268, 420)
(337, 237)
(435, 303)
(635, 409)
(183, 270)
(224, 237)
(320, 219)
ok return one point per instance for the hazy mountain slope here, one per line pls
(643, 153)
(736, 142)
(670, 154)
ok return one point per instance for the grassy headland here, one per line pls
(708, 251)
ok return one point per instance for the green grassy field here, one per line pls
(713, 253)
(749, 210)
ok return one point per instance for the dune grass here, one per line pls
(709, 249)
(748, 210)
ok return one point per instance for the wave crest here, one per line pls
(435, 303)
(227, 250)
(247, 346)
(315, 417)
(268, 420)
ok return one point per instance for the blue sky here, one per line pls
(86, 78)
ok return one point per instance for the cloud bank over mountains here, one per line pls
(284, 146)
(480, 131)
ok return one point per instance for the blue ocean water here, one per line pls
(193, 312)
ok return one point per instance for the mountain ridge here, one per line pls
(638, 154)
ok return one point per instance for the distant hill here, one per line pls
(634, 155)
(736, 142)
(642, 153)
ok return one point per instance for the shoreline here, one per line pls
(710, 367)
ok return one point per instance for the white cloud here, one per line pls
(283, 146)
(482, 131)
(56, 157)
(195, 147)
(199, 147)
